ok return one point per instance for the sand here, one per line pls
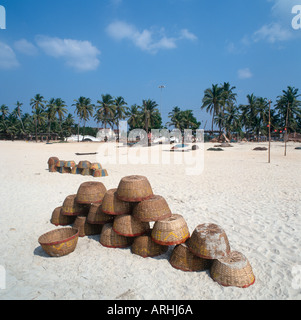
(256, 203)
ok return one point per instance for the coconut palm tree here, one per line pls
(59, 108)
(4, 113)
(37, 103)
(134, 117)
(248, 113)
(213, 100)
(175, 117)
(150, 114)
(50, 114)
(19, 105)
(84, 110)
(120, 111)
(105, 109)
(39, 118)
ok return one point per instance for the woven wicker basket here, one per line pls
(209, 241)
(126, 225)
(84, 164)
(99, 173)
(86, 172)
(134, 189)
(59, 242)
(170, 231)
(64, 170)
(153, 209)
(97, 216)
(52, 168)
(76, 170)
(113, 206)
(183, 259)
(145, 247)
(95, 166)
(72, 208)
(233, 270)
(110, 239)
(58, 219)
(69, 164)
(85, 228)
(91, 192)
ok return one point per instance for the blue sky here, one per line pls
(129, 48)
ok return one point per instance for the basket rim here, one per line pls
(227, 285)
(53, 243)
(139, 199)
(120, 246)
(130, 235)
(171, 243)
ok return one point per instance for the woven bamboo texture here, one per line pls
(52, 168)
(97, 216)
(170, 231)
(233, 270)
(209, 241)
(60, 163)
(85, 228)
(58, 219)
(145, 247)
(84, 164)
(59, 242)
(64, 170)
(95, 166)
(153, 209)
(99, 173)
(71, 207)
(76, 170)
(86, 172)
(113, 206)
(110, 239)
(69, 164)
(91, 192)
(126, 225)
(183, 259)
(53, 160)
(134, 189)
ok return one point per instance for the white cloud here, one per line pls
(146, 40)
(8, 58)
(244, 73)
(80, 55)
(26, 47)
(272, 33)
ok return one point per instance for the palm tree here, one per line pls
(120, 110)
(248, 113)
(228, 100)
(39, 118)
(4, 113)
(213, 100)
(106, 109)
(84, 110)
(149, 114)
(134, 117)
(231, 119)
(19, 105)
(175, 117)
(50, 114)
(36, 103)
(59, 108)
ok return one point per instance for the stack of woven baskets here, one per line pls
(131, 215)
(85, 168)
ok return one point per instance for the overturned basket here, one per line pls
(113, 206)
(84, 164)
(91, 192)
(58, 219)
(209, 241)
(233, 270)
(153, 209)
(110, 239)
(85, 228)
(72, 208)
(126, 225)
(145, 247)
(59, 242)
(52, 161)
(97, 216)
(170, 231)
(134, 189)
(183, 259)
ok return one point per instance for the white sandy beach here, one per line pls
(256, 203)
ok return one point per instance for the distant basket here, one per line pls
(59, 242)
(97, 216)
(170, 231)
(85, 228)
(52, 168)
(209, 241)
(134, 189)
(95, 166)
(86, 172)
(72, 208)
(110, 239)
(99, 173)
(64, 170)
(91, 192)
(76, 170)
(113, 206)
(69, 164)
(127, 226)
(58, 219)
(145, 247)
(153, 209)
(233, 270)
(60, 164)
(84, 164)
(183, 259)
(53, 161)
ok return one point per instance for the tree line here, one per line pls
(53, 118)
